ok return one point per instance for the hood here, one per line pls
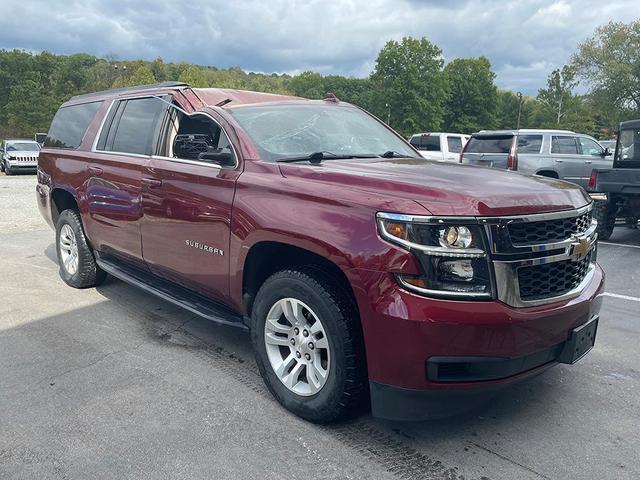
(447, 188)
(23, 153)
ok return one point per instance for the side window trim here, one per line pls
(112, 121)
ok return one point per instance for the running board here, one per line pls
(170, 292)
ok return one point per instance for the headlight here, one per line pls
(453, 255)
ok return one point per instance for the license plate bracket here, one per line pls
(580, 342)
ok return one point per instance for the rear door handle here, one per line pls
(587, 161)
(152, 182)
(559, 161)
(95, 171)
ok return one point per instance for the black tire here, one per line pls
(8, 170)
(1, 166)
(605, 214)
(345, 392)
(88, 274)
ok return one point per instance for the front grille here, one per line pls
(551, 279)
(548, 231)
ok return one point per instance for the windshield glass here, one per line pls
(290, 131)
(629, 146)
(22, 147)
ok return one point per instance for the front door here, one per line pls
(593, 156)
(186, 204)
(567, 159)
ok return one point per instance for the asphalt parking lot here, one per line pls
(114, 383)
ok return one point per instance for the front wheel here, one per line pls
(605, 213)
(78, 266)
(308, 345)
(8, 170)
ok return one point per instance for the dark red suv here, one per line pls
(362, 270)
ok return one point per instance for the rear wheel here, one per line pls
(308, 345)
(78, 266)
(605, 213)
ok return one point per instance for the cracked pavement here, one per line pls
(114, 383)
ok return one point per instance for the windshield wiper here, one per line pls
(394, 154)
(317, 157)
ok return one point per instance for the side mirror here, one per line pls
(224, 159)
(606, 152)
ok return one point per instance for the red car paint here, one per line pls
(328, 209)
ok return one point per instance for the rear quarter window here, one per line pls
(492, 144)
(70, 124)
(529, 143)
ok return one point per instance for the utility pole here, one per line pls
(388, 113)
(519, 109)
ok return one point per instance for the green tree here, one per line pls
(142, 76)
(308, 85)
(558, 97)
(609, 62)
(472, 103)
(409, 85)
(194, 76)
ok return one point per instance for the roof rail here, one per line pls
(137, 88)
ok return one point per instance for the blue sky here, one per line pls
(524, 40)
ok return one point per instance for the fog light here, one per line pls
(455, 237)
(456, 270)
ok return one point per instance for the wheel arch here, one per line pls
(266, 257)
(547, 172)
(61, 200)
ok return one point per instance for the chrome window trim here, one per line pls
(189, 162)
(94, 147)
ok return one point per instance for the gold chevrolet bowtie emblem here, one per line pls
(581, 247)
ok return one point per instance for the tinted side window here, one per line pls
(426, 142)
(491, 144)
(454, 144)
(529, 143)
(567, 145)
(135, 129)
(70, 124)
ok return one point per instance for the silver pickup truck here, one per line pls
(552, 153)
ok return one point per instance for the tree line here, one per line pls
(410, 86)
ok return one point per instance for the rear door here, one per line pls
(113, 189)
(488, 150)
(569, 162)
(187, 205)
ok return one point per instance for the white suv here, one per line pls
(443, 147)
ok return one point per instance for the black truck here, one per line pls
(616, 190)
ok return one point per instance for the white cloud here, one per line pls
(523, 39)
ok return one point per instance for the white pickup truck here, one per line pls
(443, 147)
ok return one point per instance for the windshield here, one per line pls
(22, 147)
(629, 146)
(291, 131)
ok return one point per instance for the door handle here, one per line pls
(587, 161)
(95, 171)
(559, 161)
(152, 182)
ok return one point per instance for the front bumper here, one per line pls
(403, 331)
